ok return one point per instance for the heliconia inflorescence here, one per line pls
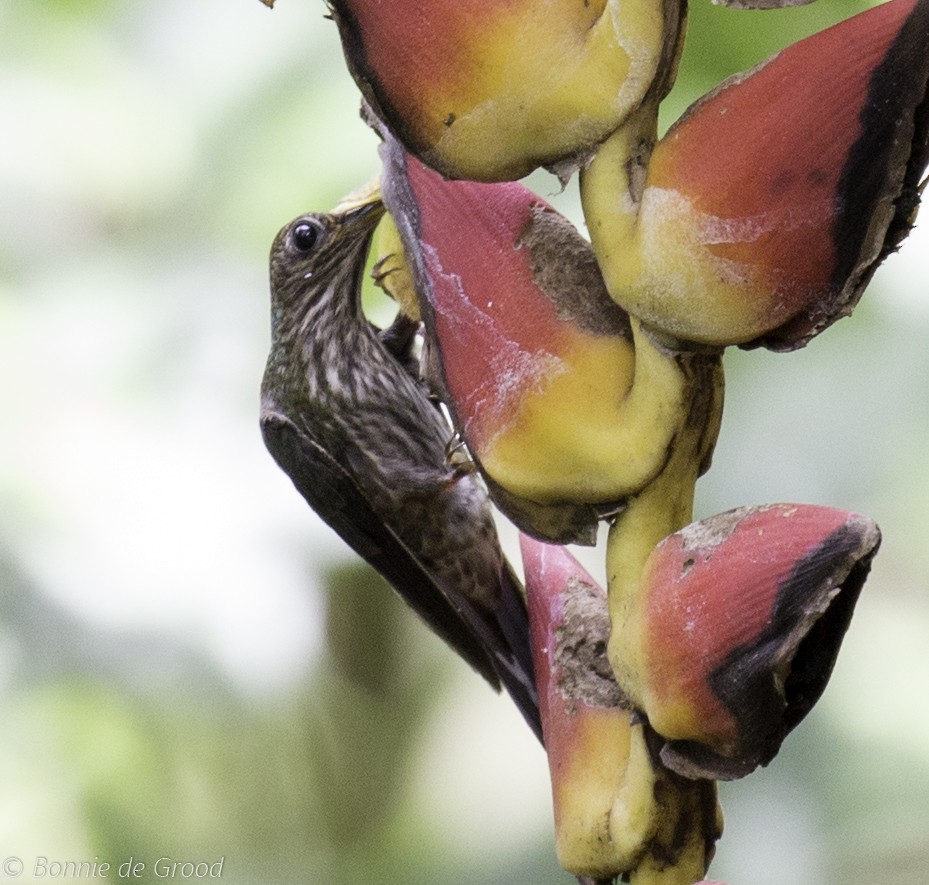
(584, 379)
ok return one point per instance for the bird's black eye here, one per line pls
(306, 235)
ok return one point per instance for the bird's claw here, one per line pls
(458, 457)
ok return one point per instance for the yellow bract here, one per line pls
(596, 831)
(544, 89)
(391, 271)
(695, 276)
(597, 430)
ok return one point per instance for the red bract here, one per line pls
(570, 625)
(616, 811)
(767, 208)
(490, 89)
(740, 621)
(533, 357)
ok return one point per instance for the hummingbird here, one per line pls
(347, 418)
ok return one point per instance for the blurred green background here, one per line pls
(191, 665)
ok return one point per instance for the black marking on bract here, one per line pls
(883, 166)
(891, 150)
(747, 681)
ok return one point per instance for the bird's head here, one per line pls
(318, 256)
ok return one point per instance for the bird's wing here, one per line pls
(514, 654)
(332, 492)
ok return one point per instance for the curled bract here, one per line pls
(532, 357)
(738, 627)
(762, 214)
(491, 89)
(616, 809)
